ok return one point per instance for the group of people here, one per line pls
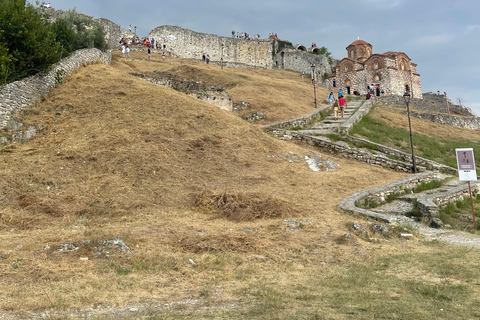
(374, 90)
(206, 58)
(338, 105)
(245, 36)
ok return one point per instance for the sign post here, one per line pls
(467, 172)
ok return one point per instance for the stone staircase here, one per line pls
(329, 124)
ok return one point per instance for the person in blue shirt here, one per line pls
(331, 97)
(340, 93)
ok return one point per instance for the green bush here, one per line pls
(30, 43)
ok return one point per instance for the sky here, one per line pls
(441, 36)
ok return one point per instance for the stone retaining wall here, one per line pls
(24, 93)
(451, 120)
(302, 121)
(343, 149)
(212, 94)
(430, 102)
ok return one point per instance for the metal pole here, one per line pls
(314, 87)
(473, 211)
(411, 140)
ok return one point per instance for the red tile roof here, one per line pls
(357, 42)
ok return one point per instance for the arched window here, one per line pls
(346, 68)
(375, 66)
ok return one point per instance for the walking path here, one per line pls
(394, 212)
(329, 125)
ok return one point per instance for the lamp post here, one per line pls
(221, 59)
(314, 87)
(135, 29)
(406, 97)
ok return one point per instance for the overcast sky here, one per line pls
(441, 36)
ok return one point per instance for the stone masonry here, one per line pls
(263, 53)
(23, 93)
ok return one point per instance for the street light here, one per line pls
(313, 82)
(221, 60)
(406, 97)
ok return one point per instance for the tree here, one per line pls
(27, 42)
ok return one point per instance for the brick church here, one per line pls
(393, 71)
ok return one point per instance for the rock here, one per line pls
(291, 222)
(406, 235)
(314, 162)
(241, 106)
(348, 236)
(357, 226)
(380, 228)
(467, 217)
(191, 262)
(436, 223)
(330, 165)
(254, 116)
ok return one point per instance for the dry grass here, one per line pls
(242, 206)
(279, 95)
(392, 116)
(120, 158)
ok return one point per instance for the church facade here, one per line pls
(394, 72)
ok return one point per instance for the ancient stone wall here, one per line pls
(23, 93)
(264, 53)
(430, 102)
(212, 94)
(189, 44)
(301, 61)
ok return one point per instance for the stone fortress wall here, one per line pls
(264, 53)
(24, 93)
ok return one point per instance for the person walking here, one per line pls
(149, 54)
(207, 59)
(335, 109)
(127, 50)
(163, 56)
(342, 103)
(340, 93)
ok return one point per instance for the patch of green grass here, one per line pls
(436, 149)
(454, 214)
(430, 185)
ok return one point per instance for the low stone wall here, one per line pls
(302, 121)
(365, 108)
(451, 120)
(430, 102)
(24, 93)
(212, 94)
(405, 157)
(380, 194)
(343, 149)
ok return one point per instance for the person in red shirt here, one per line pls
(342, 103)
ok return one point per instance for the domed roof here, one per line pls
(357, 42)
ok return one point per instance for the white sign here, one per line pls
(466, 164)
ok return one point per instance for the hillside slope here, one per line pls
(197, 194)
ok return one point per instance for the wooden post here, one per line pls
(473, 211)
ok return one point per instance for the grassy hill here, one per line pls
(200, 197)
